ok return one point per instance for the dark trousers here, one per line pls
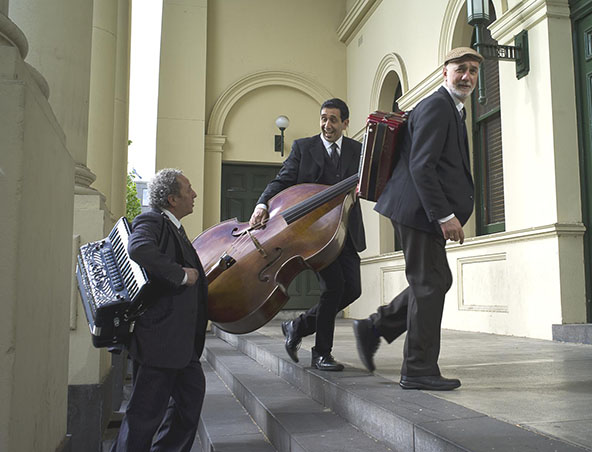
(165, 402)
(340, 285)
(418, 309)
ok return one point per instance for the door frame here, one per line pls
(581, 9)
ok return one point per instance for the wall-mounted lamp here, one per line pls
(282, 122)
(478, 16)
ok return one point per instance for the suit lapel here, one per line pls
(463, 146)
(318, 152)
(347, 155)
(187, 250)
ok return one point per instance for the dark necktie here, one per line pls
(335, 155)
(463, 114)
(184, 236)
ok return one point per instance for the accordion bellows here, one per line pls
(379, 152)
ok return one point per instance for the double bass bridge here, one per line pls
(257, 244)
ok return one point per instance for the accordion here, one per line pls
(111, 287)
(379, 152)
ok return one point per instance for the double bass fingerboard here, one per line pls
(308, 205)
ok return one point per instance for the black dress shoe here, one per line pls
(366, 341)
(432, 383)
(325, 362)
(293, 339)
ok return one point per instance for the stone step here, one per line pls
(405, 420)
(290, 419)
(225, 426)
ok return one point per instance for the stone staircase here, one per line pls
(225, 424)
(259, 400)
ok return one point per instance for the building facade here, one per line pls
(228, 69)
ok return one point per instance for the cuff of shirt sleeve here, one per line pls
(445, 219)
(262, 206)
(184, 279)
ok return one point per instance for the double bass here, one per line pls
(249, 268)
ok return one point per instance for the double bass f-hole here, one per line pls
(265, 278)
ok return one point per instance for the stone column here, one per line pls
(212, 179)
(102, 94)
(61, 50)
(67, 37)
(121, 113)
(182, 94)
(36, 180)
(59, 34)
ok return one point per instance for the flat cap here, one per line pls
(461, 52)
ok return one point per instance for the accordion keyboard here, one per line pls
(131, 275)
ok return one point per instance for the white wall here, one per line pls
(536, 276)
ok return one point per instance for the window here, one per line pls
(487, 149)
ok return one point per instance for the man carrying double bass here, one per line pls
(327, 158)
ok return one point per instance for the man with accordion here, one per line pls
(428, 198)
(168, 339)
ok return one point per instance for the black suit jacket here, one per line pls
(432, 178)
(174, 325)
(305, 164)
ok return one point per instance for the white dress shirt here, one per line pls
(177, 223)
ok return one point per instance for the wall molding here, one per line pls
(257, 80)
(555, 230)
(524, 16)
(215, 143)
(391, 62)
(449, 20)
(355, 17)
(383, 271)
(460, 264)
(424, 88)
(11, 33)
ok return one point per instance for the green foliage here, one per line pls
(132, 203)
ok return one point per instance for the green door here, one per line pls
(582, 26)
(241, 187)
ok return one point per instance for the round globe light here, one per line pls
(282, 122)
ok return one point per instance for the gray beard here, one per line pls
(460, 94)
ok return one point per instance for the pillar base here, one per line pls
(89, 411)
(580, 333)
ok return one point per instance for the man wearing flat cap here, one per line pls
(428, 198)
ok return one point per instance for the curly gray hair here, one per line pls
(163, 184)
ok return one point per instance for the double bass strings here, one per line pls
(240, 245)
